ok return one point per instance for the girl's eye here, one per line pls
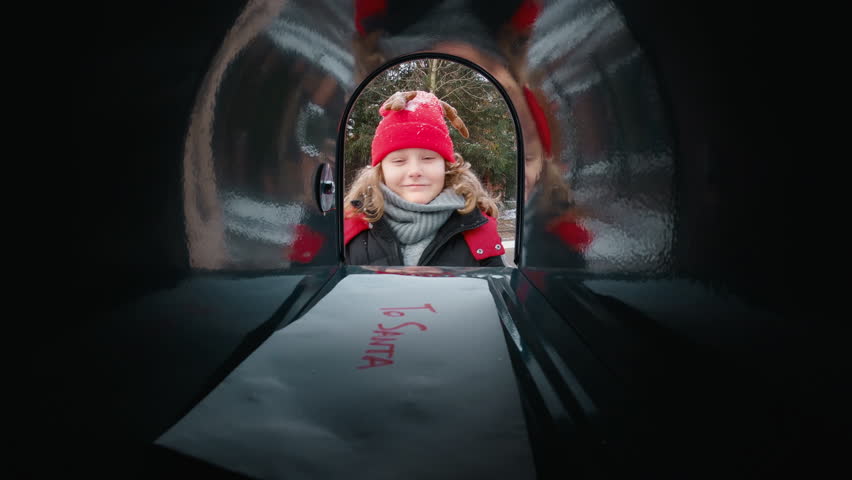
(428, 158)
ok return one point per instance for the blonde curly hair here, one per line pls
(365, 196)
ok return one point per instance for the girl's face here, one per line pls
(415, 174)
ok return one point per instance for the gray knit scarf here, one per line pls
(415, 224)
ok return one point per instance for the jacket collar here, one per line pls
(457, 223)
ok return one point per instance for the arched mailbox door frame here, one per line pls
(341, 137)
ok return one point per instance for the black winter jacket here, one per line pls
(379, 246)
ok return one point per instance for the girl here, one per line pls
(419, 203)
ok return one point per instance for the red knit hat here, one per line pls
(419, 125)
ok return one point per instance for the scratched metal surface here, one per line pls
(611, 148)
(264, 122)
